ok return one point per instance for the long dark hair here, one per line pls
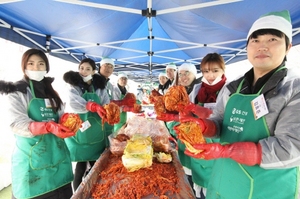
(53, 96)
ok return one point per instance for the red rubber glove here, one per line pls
(155, 93)
(40, 128)
(124, 102)
(198, 110)
(209, 128)
(154, 96)
(247, 153)
(168, 117)
(94, 107)
(128, 100)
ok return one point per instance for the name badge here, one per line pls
(47, 103)
(85, 125)
(259, 107)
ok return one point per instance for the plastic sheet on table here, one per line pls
(156, 129)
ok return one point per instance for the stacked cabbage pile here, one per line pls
(138, 153)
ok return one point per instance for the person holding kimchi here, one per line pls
(41, 163)
(205, 94)
(121, 95)
(86, 96)
(190, 86)
(212, 67)
(256, 118)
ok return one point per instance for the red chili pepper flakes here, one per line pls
(115, 182)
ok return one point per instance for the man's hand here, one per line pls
(247, 153)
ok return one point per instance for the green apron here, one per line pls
(123, 118)
(184, 159)
(201, 169)
(42, 163)
(89, 144)
(248, 182)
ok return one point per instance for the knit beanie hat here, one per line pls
(274, 20)
(122, 75)
(107, 60)
(162, 75)
(188, 67)
(171, 65)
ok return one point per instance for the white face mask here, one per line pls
(214, 82)
(35, 75)
(87, 78)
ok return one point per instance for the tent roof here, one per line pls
(142, 36)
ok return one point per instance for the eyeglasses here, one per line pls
(184, 74)
(110, 66)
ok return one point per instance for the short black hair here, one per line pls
(275, 32)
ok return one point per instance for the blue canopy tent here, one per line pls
(142, 36)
